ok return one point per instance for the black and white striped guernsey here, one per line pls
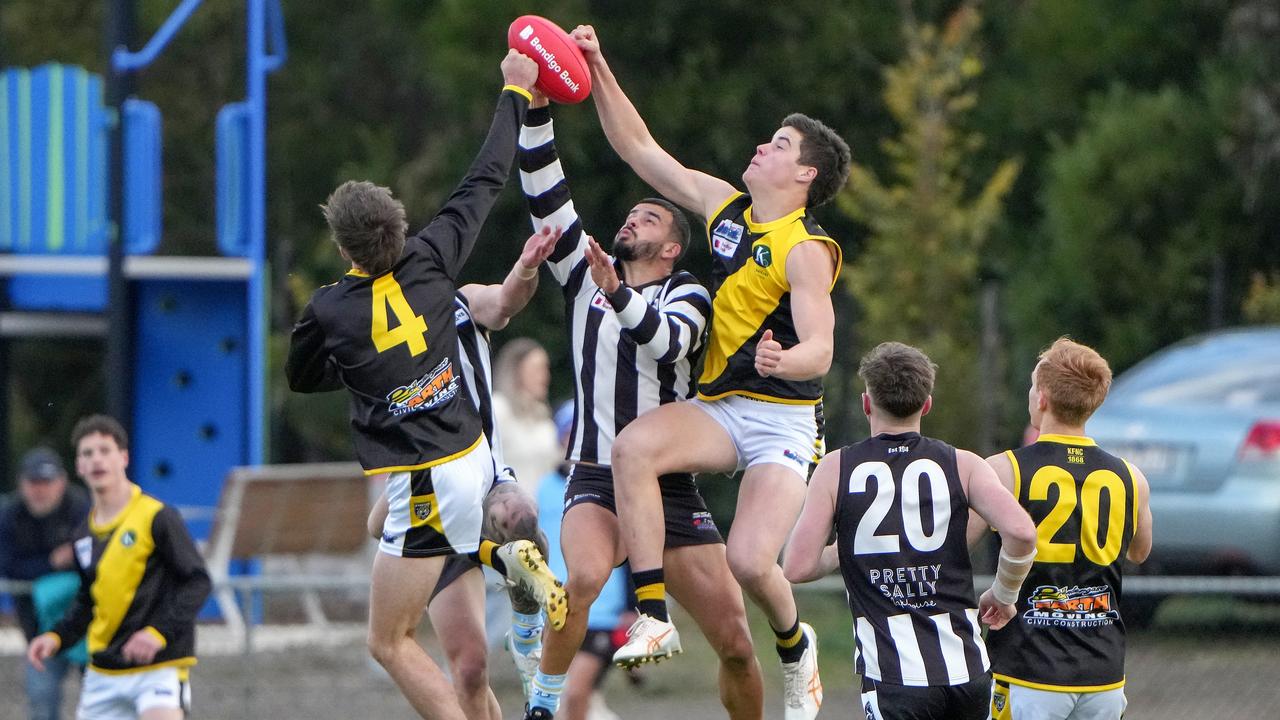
(633, 350)
(475, 355)
(901, 515)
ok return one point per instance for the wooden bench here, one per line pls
(286, 510)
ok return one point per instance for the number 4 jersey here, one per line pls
(392, 341)
(901, 514)
(1068, 635)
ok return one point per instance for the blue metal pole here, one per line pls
(257, 102)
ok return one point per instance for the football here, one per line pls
(563, 75)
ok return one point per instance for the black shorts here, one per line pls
(688, 520)
(889, 701)
(600, 644)
(455, 566)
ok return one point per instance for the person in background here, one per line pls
(522, 374)
(582, 699)
(36, 530)
(142, 583)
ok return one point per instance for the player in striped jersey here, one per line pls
(1062, 657)
(759, 403)
(636, 326)
(456, 606)
(899, 503)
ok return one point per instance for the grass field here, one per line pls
(1201, 659)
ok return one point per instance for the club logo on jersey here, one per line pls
(599, 302)
(84, 551)
(1053, 606)
(704, 522)
(726, 237)
(762, 255)
(436, 387)
(128, 538)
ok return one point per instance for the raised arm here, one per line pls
(1140, 545)
(493, 306)
(808, 557)
(454, 229)
(547, 192)
(668, 332)
(630, 138)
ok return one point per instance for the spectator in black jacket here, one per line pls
(36, 529)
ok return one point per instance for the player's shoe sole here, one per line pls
(526, 567)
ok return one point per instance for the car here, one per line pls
(1201, 419)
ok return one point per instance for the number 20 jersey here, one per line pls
(1068, 635)
(901, 516)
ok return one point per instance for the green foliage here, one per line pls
(1135, 207)
(1262, 305)
(917, 278)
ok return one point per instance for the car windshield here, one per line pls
(1217, 371)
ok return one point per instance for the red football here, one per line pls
(562, 70)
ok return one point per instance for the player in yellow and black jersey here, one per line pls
(1062, 656)
(758, 405)
(386, 333)
(142, 583)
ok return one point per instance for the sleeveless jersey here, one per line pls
(901, 515)
(751, 294)
(1068, 634)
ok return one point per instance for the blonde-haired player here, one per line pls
(1062, 656)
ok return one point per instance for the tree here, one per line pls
(917, 279)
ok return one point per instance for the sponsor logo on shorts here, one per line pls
(436, 387)
(581, 496)
(162, 691)
(726, 237)
(128, 538)
(389, 538)
(866, 707)
(460, 317)
(1074, 607)
(704, 522)
(794, 456)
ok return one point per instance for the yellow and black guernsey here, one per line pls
(142, 572)
(1068, 635)
(751, 294)
(391, 340)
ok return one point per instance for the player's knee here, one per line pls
(470, 672)
(631, 449)
(748, 568)
(382, 648)
(583, 589)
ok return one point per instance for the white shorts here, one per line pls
(125, 696)
(1018, 702)
(438, 510)
(768, 432)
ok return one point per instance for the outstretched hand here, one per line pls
(602, 270)
(588, 43)
(539, 247)
(520, 70)
(768, 354)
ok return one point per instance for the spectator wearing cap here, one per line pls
(35, 545)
